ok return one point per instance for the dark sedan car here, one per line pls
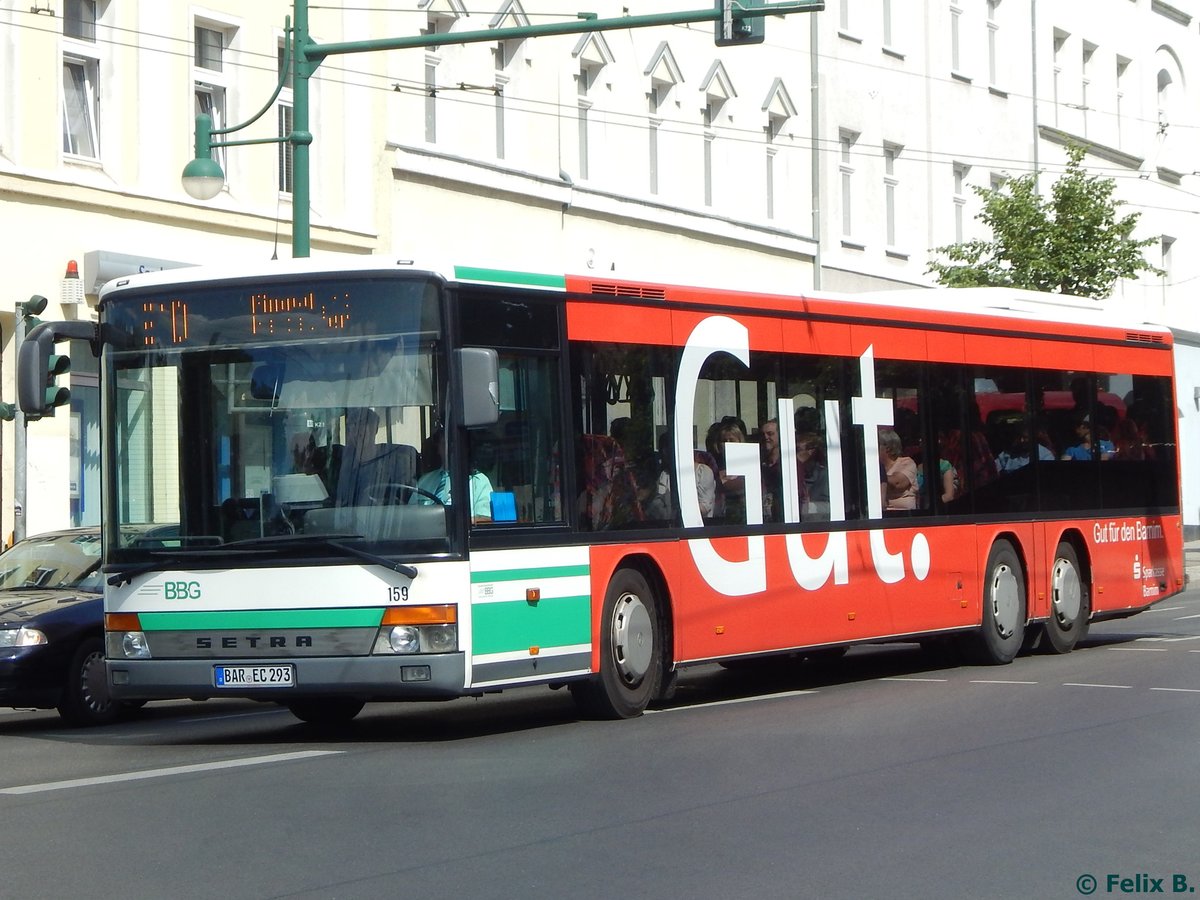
(52, 627)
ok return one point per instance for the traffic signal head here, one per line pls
(31, 309)
(730, 30)
(38, 367)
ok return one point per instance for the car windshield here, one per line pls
(53, 562)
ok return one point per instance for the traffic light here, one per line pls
(30, 310)
(730, 31)
(38, 367)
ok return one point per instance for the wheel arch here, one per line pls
(1013, 540)
(651, 569)
(1075, 538)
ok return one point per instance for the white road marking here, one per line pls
(650, 712)
(999, 681)
(1166, 609)
(936, 680)
(1181, 618)
(1179, 690)
(1124, 687)
(170, 770)
(1141, 649)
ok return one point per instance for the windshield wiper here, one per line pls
(123, 572)
(335, 541)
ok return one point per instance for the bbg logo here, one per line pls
(181, 590)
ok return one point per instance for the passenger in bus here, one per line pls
(900, 472)
(1127, 440)
(1016, 454)
(772, 471)
(813, 477)
(707, 473)
(656, 496)
(1084, 448)
(434, 485)
(731, 489)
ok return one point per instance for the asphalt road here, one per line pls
(883, 774)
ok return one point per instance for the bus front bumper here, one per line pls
(423, 677)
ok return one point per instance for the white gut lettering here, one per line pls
(734, 579)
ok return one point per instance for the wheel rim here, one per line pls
(1005, 600)
(1067, 592)
(632, 638)
(93, 689)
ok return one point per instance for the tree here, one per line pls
(1072, 243)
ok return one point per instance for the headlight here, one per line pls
(408, 639)
(405, 639)
(134, 646)
(22, 637)
(418, 629)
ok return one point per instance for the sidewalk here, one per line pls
(1191, 561)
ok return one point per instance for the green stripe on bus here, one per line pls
(509, 627)
(539, 572)
(246, 619)
(503, 276)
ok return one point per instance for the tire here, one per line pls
(326, 710)
(86, 700)
(630, 652)
(1070, 602)
(1002, 633)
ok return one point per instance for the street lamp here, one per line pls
(203, 178)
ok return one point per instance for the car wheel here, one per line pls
(85, 698)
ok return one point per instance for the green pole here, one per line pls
(301, 137)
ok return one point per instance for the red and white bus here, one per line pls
(392, 483)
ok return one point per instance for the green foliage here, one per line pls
(1073, 243)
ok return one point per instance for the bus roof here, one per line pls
(997, 302)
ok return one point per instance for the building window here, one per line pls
(846, 140)
(993, 29)
(431, 91)
(891, 152)
(210, 84)
(844, 15)
(887, 23)
(1085, 81)
(284, 120)
(1122, 70)
(955, 39)
(80, 107)
(1164, 98)
(1060, 40)
(79, 20)
(501, 83)
(960, 199)
(1168, 244)
(79, 95)
(210, 48)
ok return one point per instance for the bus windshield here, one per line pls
(263, 434)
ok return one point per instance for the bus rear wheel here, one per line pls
(1070, 602)
(326, 710)
(1002, 633)
(630, 652)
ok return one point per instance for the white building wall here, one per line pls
(399, 172)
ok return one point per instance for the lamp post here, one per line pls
(203, 178)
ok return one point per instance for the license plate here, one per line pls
(254, 676)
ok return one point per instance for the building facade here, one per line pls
(834, 155)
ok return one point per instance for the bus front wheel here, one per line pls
(630, 652)
(1003, 629)
(1070, 602)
